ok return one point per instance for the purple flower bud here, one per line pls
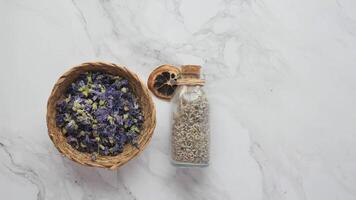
(99, 114)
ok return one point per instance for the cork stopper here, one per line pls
(191, 69)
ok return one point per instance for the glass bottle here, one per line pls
(190, 136)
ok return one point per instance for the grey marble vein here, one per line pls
(26, 173)
(280, 79)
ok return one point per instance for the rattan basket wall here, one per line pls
(144, 99)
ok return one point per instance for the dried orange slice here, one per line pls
(162, 81)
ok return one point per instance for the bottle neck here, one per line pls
(190, 76)
(190, 79)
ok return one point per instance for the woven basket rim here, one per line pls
(144, 98)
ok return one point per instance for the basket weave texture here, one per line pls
(144, 99)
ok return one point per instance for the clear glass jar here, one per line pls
(190, 136)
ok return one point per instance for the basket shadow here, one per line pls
(94, 180)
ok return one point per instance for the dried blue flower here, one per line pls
(100, 114)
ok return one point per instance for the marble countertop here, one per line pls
(281, 77)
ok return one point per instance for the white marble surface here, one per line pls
(281, 78)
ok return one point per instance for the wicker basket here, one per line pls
(144, 99)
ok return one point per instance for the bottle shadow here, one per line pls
(190, 181)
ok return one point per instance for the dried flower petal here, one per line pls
(99, 114)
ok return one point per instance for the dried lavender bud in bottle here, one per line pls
(190, 130)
